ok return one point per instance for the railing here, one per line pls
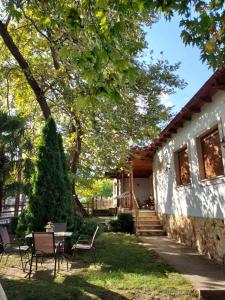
(8, 212)
(136, 209)
(98, 204)
(125, 202)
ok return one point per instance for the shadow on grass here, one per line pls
(117, 255)
(74, 287)
(124, 255)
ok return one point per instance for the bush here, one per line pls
(82, 226)
(12, 225)
(88, 227)
(124, 223)
(24, 223)
(115, 225)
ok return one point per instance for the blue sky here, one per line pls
(165, 36)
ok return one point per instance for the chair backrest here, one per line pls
(2, 293)
(4, 236)
(59, 227)
(94, 235)
(44, 243)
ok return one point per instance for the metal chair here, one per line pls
(16, 246)
(43, 246)
(84, 243)
(60, 241)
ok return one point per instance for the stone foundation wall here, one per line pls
(204, 234)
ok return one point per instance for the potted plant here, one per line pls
(49, 227)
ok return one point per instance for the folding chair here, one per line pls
(83, 243)
(60, 241)
(43, 246)
(14, 247)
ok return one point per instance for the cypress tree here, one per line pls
(51, 198)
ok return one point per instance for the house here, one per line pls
(183, 169)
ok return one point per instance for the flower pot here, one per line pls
(50, 229)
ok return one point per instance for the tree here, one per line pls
(51, 197)
(78, 61)
(101, 188)
(203, 24)
(11, 131)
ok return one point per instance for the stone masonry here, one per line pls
(204, 234)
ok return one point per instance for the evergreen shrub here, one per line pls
(24, 223)
(51, 196)
(124, 223)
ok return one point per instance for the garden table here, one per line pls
(57, 233)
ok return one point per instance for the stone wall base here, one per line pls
(204, 234)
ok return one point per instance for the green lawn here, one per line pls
(124, 270)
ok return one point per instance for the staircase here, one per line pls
(147, 223)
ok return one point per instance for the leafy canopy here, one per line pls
(83, 55)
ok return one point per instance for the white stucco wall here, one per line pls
(142, 189)
(202, 198)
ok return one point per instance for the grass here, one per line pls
(124, 270)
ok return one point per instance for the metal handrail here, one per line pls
(136, 209)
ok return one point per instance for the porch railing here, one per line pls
(136, 209)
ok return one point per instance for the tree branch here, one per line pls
(40, 96)
(76, 128)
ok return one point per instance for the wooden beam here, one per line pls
(167, 135)
(195, 109)
(162, 139)
(173, 130)
(186, 117)
(179, 124)
(220, 86)
(206, 99)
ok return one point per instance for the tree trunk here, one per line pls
(2, 162)
(17, 201)
(1, 195)
(74, 162)
(40, 96)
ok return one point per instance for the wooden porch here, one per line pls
(135, 195)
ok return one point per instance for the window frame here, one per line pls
(201, 165)
(177, 166)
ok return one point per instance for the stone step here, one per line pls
(146, 216)
(148, 222)
(147, 227)
(151, 232)
(146, 213)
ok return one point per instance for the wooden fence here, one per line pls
(98, 204)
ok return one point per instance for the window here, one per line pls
(182, 167)
(212, 162)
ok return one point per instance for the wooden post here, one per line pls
(130, 192)
(122, 182)
(88, 208)
(117, 193)
(92, 205)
